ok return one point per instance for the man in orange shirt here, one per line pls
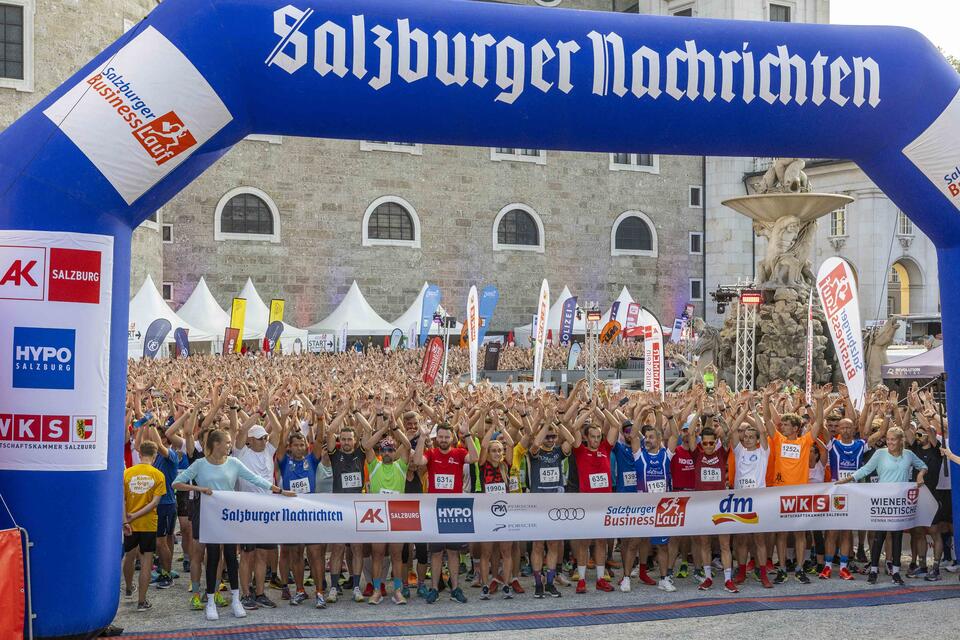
(143, 484)
(791, 463)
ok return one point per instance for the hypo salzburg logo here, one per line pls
(165, 138)
(43, 358)
(21, 272)
(671, 512)
(953, 182)
(455, 515)
(734, 509)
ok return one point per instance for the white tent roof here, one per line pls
(625, 299)
(412, 316)
(258, 317)
(359, 316)
(202, 311)
(521, 334)
(148, 305)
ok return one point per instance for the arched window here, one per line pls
(391, 221)
(633, 234)
(518, 227)
(247, 213)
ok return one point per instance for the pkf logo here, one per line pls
(43, 358)
(455, 515)
(734, 509)
(42, 428)
(836, 290)
(73, 274)
(671, 512)
(395, 515)
(165, 138)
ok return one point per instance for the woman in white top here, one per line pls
(751, 451)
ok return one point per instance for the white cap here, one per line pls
(256, 431)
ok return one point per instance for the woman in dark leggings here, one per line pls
(218, 471)
(892, 464)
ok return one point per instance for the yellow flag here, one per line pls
(276, 310)
(238, 313)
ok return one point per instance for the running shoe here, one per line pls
(516, 586)
(507, 592)
(249, 603)
(603, 585)
(319, 601)
(625, 584)
(645, 578)
(698, 574)
(845, 574)
(275, 582)
(368, 590)
(143, 606)
(889, 568)
(423, 591)
(741, 575)
(731, 587)
(285, 593)
(375, 597)
(781, 577)
(164, 581)
(953, 567)
(211, 611)
(494, 586)
(897, 579)
(862, 556)
(872, 578)
(332, 595)
(129, 593)
(526, 570)
(236, 608)
(765, 580)
(219, 599)
(913, 573)
(357, 594)
(933, 575)
(485, 593)
(265, 602)
(195, 603)
(706, 584)
(398, 597)
(538, 591)
(551, 590)
(563, 580)
(581, 586)
(826, 573)
(684, 570)
(457, 594)
(405, 591)
(802, 577)
(666, 584)
(432, 596)
(298, 597)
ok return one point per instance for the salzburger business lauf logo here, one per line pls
(165, 138)
(671, 512)
(43, 358)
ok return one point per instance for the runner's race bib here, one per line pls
(443, 481)
(514, 484)
(791, 451)
(549, 475)
(657, 486)
(710, 474)
(601, 481)
(351, 480)
(747, 483)
(300, 485)
(388, 491)
(845, 473)
(495, 487)
(629, 478)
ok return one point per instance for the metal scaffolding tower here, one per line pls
(746, 345)
(591, 366)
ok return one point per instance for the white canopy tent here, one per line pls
(202, 311)
(412, 316)
(148, 305)
(358, 315)
(258, 318)
(521, 334)
(625, 299)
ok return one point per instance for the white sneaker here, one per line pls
(332, 595)
(358, 595)
(625, 584)
(636, 572)
(237, 608)
(211, 611)
(952, 568)
(666, 584)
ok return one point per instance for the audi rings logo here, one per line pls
(499, 508)
(567, 514)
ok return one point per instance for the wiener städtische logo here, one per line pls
(43, 358)
(734, 509)
(455, 515)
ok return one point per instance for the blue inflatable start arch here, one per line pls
(128, 131)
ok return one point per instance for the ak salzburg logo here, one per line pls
(734, 509)
(165, 138)
(55, 274)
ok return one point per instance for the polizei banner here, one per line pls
(249, 518)
(838, 294)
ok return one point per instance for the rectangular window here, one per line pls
(166, 232)
(646, 162)
(167, 291)
(779, 13)
(396, 147)
(16, 44)
(684, 13)
(695, 200)
(696, 289)
(696, 243)
(536, 156)
(904, 225)
(838, 222)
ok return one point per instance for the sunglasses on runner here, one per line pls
(389, 449)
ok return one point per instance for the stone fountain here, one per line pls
(785, 212)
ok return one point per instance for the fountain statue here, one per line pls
(877, 340)
(784, 211)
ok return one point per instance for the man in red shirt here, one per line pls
(444, 464)
(592, 454)
(710, 474)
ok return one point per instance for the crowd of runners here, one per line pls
(364, 423)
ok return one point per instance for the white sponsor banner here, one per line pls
(652, 352)
(838, 295)
(473, 330)
(250, 518)
(320, 343)
(936, 152)
(55, 295)
(343, 338)
(141, 114)
(540, 329)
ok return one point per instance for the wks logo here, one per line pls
(43, 358)
(734, 509)
(165, 138)
(455, 515)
